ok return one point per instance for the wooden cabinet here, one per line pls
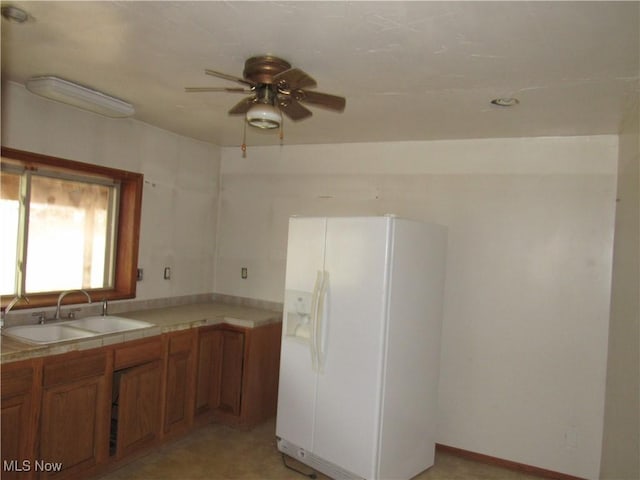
(135, 408)
(17, 419)
(179, 381)
(261, 373)
(231, 359)
(65, 410)
(219, 371)
(74, 426)
(237, 373)
(208, 372)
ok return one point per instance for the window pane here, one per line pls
(9, 218)
(68, 235)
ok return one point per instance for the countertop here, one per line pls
(166, 319)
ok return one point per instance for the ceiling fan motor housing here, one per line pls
(263, 68)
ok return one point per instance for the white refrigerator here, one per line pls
(361, 345)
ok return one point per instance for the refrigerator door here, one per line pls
(298, 378)
(407, 438)
(351, 344)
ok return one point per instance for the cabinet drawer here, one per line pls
(15, 381)
(142, 351)
(76, 367)
(181, 342)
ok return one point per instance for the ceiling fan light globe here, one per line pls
(264, 116)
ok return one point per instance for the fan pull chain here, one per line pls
(243, 147)
(282, 131)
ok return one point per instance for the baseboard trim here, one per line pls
(519, 467)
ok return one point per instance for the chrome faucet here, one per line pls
(64, 294)
(10, 305)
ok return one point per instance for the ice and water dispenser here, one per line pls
(297, 322)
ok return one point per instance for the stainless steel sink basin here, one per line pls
(108, 324)
(74, 329)
(43, 334)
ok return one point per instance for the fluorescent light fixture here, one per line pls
(14, 14)
(79, 96)
(264, 115)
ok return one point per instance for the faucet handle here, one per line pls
(42, 316)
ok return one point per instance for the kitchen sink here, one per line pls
(108, 324)
(74, 329)
(43, 334)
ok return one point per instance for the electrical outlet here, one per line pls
(167, 273)
(571, 438)
(243, 272)
(140, 275)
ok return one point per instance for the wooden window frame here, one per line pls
(128, 227)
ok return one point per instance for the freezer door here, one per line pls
(351, 343)
(298, 378)
(410, 393)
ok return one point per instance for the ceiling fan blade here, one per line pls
(229, 77)
(332, 102)
(242, 106)
(216, 89)
(293, 79)
(293, 109)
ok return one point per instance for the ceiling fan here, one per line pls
(275, 87)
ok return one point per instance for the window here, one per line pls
(67, 225)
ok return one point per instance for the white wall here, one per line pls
(530, 223)
(529, 262)
(621, 457)
(179, 205)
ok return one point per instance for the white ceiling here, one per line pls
(409, 70)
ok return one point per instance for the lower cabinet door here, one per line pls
(137, 410)
(16, 411)
(15, 424)
(231, 380)
(209, 372)
(179, 382)
(72, 434)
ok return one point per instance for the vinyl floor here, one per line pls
(219, 452)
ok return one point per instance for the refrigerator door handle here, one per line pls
(313, 342)
(322, 323)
